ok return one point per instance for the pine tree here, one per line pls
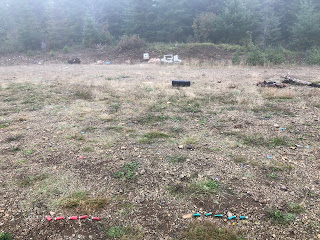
(234, 24)
(90, 35)
(29, 30)
(306, 30)
(271, 31)
(204, 26)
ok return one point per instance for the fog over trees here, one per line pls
(53, 24)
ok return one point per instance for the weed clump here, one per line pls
(115, 232)
(279, 217)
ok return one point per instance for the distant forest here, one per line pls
(54, 24)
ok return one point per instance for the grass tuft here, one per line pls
(5, 236)
(196, 189)
(88, 149)
(281, 217)
(204, 188)
(210, 231)
(115, 232)
(83, 93)
(123, 233)
(295, 208)
(179, 158)
(30, 181)
(127, 171)
(81, 200)
(152, 136)
(152, 119)
(28, 152)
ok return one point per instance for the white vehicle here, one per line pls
(171, 59)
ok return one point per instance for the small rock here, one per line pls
(187, 216)
(276, 125)
(263, 201)
(229, 214)
(319, 236)
(123, 148)
(52, 213)
(219, 81)
(283, 188)
(190, 147)
(142, 171)
(181, 146)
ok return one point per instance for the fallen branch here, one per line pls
(295, 81)
(271, 84)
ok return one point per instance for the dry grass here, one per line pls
(274, 93)
(127, 122)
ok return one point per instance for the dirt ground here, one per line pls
(119, 143)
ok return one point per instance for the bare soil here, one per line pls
(119, 143)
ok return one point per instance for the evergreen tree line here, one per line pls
(55, 24)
